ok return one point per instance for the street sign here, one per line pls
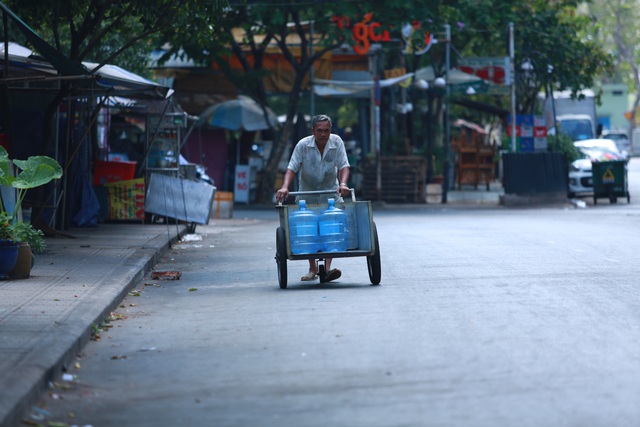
(493, 70)
(531, 133)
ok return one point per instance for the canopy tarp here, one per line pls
(362, 88)
(353, 89)
(109, 79)
(60, 62)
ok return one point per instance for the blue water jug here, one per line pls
(333, 227)
(303, 230)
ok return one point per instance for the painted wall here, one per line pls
(614, 103)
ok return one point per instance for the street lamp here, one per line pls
(527, 68)
(423, 86)
(528, 73)
(553, 100)
(435, 87)
(441, 84)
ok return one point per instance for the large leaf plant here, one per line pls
(33, 172)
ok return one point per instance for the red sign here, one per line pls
(493, 74)
(518, 131)
(494, 70)
(363, 32)
(540, 132)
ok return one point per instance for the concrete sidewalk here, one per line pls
(46, 320)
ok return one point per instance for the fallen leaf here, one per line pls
(193, 289)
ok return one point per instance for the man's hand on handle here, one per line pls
(282, 194)
(343, 189)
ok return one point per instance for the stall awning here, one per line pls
(109, 79)
(59, 61)
(353, 89)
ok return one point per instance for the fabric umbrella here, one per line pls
(242, 113)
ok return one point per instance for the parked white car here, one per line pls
(620, 138)
(593, 150)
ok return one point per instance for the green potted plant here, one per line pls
(8, 246)
(33, 172)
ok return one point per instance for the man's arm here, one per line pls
(283, 192)
(343, 178)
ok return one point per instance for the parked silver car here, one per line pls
(593, 150)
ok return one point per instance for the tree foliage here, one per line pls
(546, 34)
(615, 28)
(106, 31)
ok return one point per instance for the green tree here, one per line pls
(615, 28)
(105, 31)
(264, 25)
(549, 35)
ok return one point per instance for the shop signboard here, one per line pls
(242, 183)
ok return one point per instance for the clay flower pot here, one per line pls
(24, 262)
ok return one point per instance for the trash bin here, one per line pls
(610, 181)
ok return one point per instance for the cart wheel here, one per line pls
(281, 257)
(322, 272)
(373, 261)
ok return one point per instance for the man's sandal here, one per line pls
(333, 275)
(309, 277)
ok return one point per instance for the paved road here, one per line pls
(485, 317)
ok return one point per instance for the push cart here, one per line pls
(364, 241)
(610, 181)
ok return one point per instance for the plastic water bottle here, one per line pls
(333, 227)
(303, 230)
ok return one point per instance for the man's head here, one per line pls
(321, 128)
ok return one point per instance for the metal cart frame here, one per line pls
(367, 238)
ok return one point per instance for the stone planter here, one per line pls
(24, 262)
(433, 193)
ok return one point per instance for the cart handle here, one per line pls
(317, 192)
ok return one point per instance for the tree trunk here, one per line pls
(271, 170)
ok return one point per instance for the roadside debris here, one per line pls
(579, 203)
(166, 275)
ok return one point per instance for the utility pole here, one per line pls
(312, 102)
(447, 142)
(512, 56)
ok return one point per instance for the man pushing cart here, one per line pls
(321, 162)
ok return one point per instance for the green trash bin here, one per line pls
(610, 181)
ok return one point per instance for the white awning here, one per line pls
(353, 89)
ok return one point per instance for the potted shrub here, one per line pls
(33, 172)
(8, 246)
